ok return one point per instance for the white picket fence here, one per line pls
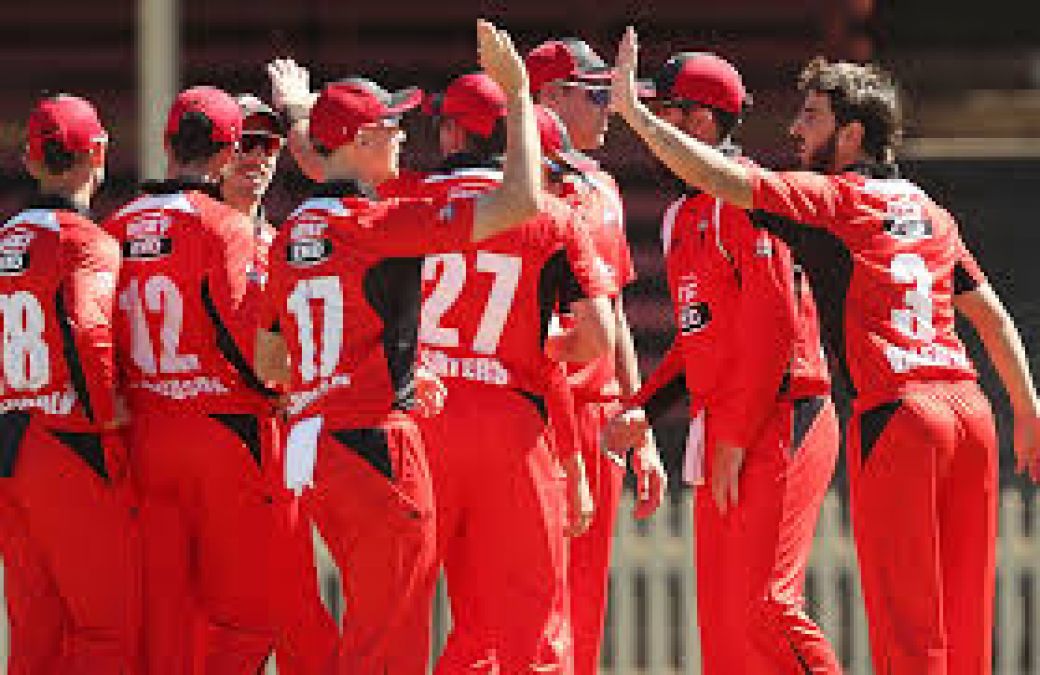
(651, 626)
(652, 619)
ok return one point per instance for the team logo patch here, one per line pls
(305, 252)
(905, 220)
(14, 251)
(694, 317)
(148, 236)
(146, 248)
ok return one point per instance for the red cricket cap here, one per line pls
(258, 117)
(344, 107)
(556, 142)
(216, 105)
(70, 120)
(701, 78)
(566, 59)
(474, 101)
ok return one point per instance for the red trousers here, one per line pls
(373, 503)
(228, 567)
(923, 477)
(751, 561)
(71, 554)
(589, 554)
(501, 510)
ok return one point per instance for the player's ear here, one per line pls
(850, 139)
(34, 168)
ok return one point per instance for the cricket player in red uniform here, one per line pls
(889, 270)
(485, 331)
(68, 540)
(749, 344)
(569, 78)
(204, 437)
(346, 295)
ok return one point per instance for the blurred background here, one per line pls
(971, 78)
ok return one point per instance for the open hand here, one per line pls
(624, 93)
(290, 84)
(580, 504)
(499, 58)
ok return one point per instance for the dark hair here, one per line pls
(860, 93)
(193, 141)
(490, 146)
(57, 159)
(726, 122)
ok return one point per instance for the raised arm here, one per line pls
(698, 164)
(517, 198)
(983, 308)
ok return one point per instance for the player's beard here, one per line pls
(824, 158)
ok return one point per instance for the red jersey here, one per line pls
(344, 290)
(747, 329)
(885, 261)
(184, 326)
(596, 197)
(486, 310)
(58, 274)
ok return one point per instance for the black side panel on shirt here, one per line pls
(88, 447)
(557, 286)
(393, 288)
(228, 348)
(537, 401)
(246, 427)
(371, 445)
(68, 348)
(871, 425)
(12, 430)
(828, 262)
(962, 281)
(665, 398)
(805, 411)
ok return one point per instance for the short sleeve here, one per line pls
(589, 270)
(806, 197)
(967, 275)
(415, 227)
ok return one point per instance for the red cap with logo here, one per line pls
(344, 107)
(566, 59)
(215, 105)
(474, 101)
(69, 120)
(702, 78)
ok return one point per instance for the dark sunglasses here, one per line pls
(269, 143)
(678, 103)
(598, 96)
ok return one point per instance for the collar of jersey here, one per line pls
(344, 188)
(171, 186)
(470, 160)
(40, 200)
(874, 169)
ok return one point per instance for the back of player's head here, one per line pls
(477, 105)
(861, 93)
(202, 122)
(64, 129)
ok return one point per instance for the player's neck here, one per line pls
(341, 174)
(78, 195)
